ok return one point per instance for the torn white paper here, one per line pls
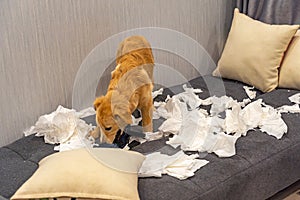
(272, 123)
(207, 101)
(289, 109)
(172, 124)
(135, 121)
(178, 165)
(234, 122)
(195, 130)
(149, 136)
(201, 133)
(193, 90)
(245, 102)
(224, 145)
(250, 91)
(86, 112)
(160, 110)
(63, 126)
(220, 104)
(255, 115)
(157, 92)
(251, 115)
(293, 108)
(295, 98)
(75, 142)
(189, 96)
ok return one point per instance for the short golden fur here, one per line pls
(130, 88)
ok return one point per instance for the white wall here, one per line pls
(43, 43)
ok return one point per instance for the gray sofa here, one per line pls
(261, 167)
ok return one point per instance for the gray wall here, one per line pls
(43, 43)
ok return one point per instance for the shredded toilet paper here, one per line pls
(293, 108)
(157, 92)
(64, 127)
(249, 91)
(204, 134)
(149, 136)
(195, 130)
(289, 109)
(220, 104)
(136, 121)
(178, 165)
(160, 111)
(271, 122)
(189, 97)
(295, 98)
(191, 90)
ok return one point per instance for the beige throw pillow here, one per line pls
(253, 51)
(289, 74)
(81, 174)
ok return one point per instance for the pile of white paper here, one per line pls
(249, 91)
(157, 92)
(295, 98)
(178, 165)
(64, 127)
(196, 130)
(293, 108)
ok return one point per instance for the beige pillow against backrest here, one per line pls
(253, 51)
(289, 73)
(79, 174)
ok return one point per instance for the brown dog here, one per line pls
(130, 88)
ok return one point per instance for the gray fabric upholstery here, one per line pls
(14, 171)
(262, 166)
(2, 198)
(31, 148)
(18, 161)
(278, 97)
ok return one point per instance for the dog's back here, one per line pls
(134, 51)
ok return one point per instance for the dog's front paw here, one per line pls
(94, 133)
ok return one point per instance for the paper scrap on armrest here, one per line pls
(178, 165)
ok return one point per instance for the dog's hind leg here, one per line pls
(147, 111)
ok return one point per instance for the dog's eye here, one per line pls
(107, 128)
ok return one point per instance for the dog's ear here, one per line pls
(122, 117)
(98, 101)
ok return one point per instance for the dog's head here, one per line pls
(110, 118)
